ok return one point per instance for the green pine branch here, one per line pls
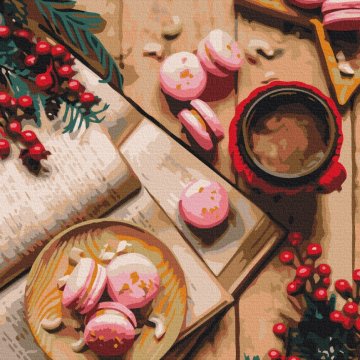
(75, 116)
(78, 27)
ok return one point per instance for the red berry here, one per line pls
(351, 309)
(13, 102)
(336, 316)
(67, 57)
(75, 86)
(65, 71)
(5, 98)
(303, 271)
(326, 282)
(342, 286)
(24, 34)
(357, 324)
(30, 60)
(58, 51)
(324, 270)
(87, 98)
(36, 151)
(28, 137)
(4, 32)
(25, 101)
(279, 329)
(347, 322)
(356, 275)
(43, 48)
(314, 251)
(293, 358)
(295, 238)
(44, 81)
(286, 257)
(293, 288)
(15, 126)
(4, 148)
(274, 354)
(320, 294)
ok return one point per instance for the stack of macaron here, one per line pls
(339, 15)
(183, 77)
(131, 281)
(204, 204)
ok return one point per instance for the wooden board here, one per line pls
(343, 86)
(164, 167)
(141, 210)
(43, 298)
(197, 23)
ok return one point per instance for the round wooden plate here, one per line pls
(43, 299)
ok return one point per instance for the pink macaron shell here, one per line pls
(204, 204)
(109, 334)
(196, 128)
(206, 62)
(342, 20)
(92, 299)
(78, 282)
(307, 4)
(209, 116)
(224, 50)
(111, 305)
(182, 76)
(132, 280)
(335, 5)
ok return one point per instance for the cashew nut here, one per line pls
(158, 321)
(75, 255)
(123, 244)
(62, 282)
(107, 256)
(340, 56)
(345, 68)
(77, 346)
(152, 48)
(256, 46)
(173, 29)
(51, 324)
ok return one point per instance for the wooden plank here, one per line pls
(324, 218)
(143, 211)
(161, 163)
(141, 73)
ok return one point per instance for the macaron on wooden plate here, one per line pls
(43, 299)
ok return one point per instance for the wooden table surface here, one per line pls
(329, 219)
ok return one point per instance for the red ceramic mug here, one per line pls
(286, 138)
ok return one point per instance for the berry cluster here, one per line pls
(12, 112)
(349, 316)
(276, 355)
(50, 68)
(312, 281)
(309, 278)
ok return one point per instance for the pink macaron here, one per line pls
(224, 50)
(182, 76)
(307, 4)
(110, 329)
(335, 5)
(132, 280)
(207, 62)
(201, 122)
(342, 20)
(85, 286)
(204, 204)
